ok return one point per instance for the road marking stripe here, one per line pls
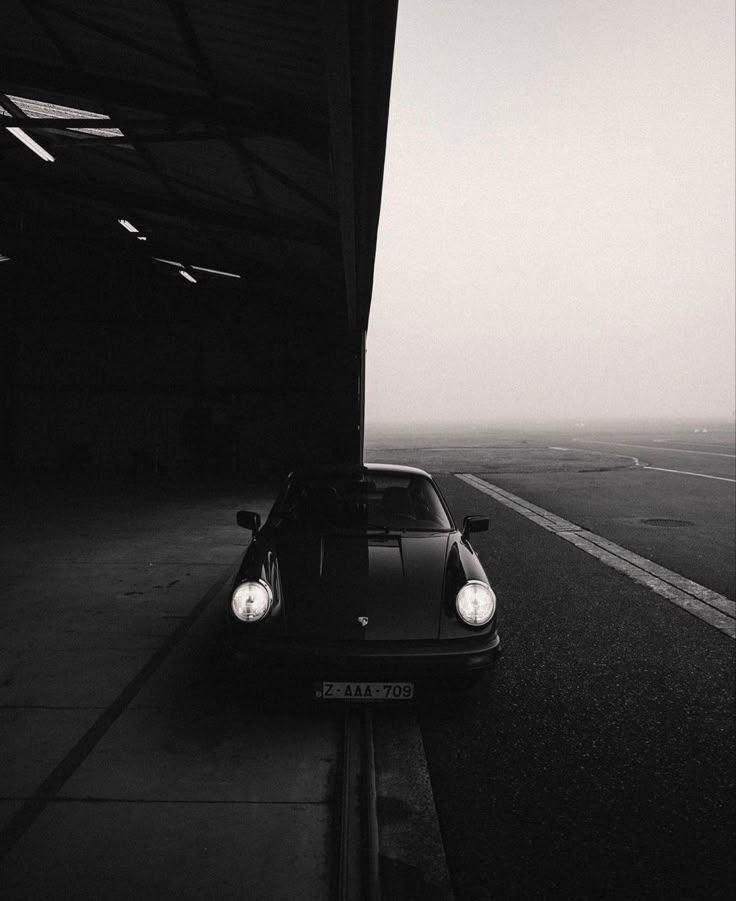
(577, 450)
(706, 595)
(674, 450)
(683, 472)
(706, 604)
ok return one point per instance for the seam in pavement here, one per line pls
(204, 563)
(713, 608)
(36, 803)
(85, 799)
(683, 472)
(49, 707)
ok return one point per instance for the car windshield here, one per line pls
(380, 501)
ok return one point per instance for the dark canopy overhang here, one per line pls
(242, 137)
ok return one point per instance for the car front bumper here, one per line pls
(381, 660)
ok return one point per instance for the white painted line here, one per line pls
(550, 521)
(707, 595)
(600, 453)
(683, 472)
(673, 450)
(706, 604)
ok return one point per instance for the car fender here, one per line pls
(462, 566)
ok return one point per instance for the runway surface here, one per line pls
(597, 764)
(598, 761)
(602, 482)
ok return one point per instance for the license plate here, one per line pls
(365, 691)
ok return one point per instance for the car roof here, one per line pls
(357, 471)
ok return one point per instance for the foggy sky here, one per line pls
(557, 224)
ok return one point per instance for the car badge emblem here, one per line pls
(363, 620)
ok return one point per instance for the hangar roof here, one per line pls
(243, 137)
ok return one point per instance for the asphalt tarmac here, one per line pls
(598, 762)
(603, 482)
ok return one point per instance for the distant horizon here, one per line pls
(567, 421)
(437, 435)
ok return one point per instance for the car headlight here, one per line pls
(476, 603)
(252, 600)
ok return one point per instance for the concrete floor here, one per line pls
(130, 767)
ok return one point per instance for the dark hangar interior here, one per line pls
(189, 202)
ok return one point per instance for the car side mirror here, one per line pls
(475, 524)
(247, 519)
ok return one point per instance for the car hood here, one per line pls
(395, 581)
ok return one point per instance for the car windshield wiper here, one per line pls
(362, 528)
(391, 529)
(431, 529)
(354, 529)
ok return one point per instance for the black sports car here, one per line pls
(360, 584)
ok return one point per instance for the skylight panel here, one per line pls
(39, 109)
(31, 144)
(182, 270)
(169, 262)
(216, 272)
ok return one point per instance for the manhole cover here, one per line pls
(668, 523)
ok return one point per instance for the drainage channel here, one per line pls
(358, 874)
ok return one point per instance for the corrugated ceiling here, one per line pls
(223, 145)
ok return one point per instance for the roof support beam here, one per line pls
(113, 34)
(336, 38)
(289, 183)
(207, 76)
(373, 29)
(59, 126)
(310, 232)
(63, 122)
(274, 114)
(73, 62)
(15, 115)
